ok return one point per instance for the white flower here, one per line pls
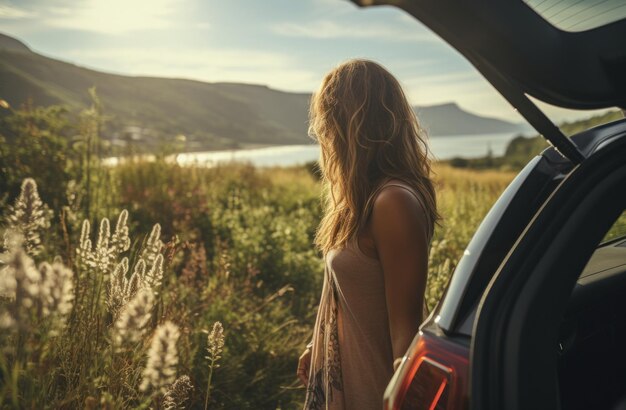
(103, 254)
(160, 369)
(153, 245)
(134, 317)
(215, 343)
(154, 276)
(56, 288)
(20, 282)
(84, 247)
(108, 247)
(117, 296)
(120, 240)
(29, 216)
(122, 289)
(34, 294)
(140, 268)
(134, 284)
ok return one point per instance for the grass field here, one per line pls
(185, 288)
(151, 285)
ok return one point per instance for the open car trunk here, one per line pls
(521, 53)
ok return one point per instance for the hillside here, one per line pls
(12, 44)
(450, 119)
(216, 115)
(210, 115)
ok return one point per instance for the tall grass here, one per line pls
(218, 268)
(154, 285)
(234, 247)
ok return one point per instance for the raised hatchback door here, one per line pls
(522, 52)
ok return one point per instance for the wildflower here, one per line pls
(108, 247)
(153, 245)
(160, 369)
(19, 282)
(154, 276)
(13, 239)
(117, 296)
(102, 252)
(30, 217)
(177, 394)
(140, 268)
(215, 344)
(56, 292)
(133, 318)
(120, 240)
(34, 294)
(84, 247)
(134, 283)
(122, 289)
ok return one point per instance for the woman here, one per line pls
(375, 236)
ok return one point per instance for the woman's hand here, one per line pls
(303, 366)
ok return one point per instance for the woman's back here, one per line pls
(352, 356)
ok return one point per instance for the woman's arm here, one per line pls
(400, 235)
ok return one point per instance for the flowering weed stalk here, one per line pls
(177, 394)
(160, 370)
(215, 345)
(30, 217)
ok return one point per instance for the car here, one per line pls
(534, 315)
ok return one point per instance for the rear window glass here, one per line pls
(579, 15)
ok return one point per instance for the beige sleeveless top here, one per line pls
(352, 356)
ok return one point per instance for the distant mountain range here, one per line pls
(210, 115)
(450, 119)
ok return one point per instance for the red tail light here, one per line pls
(433, 375)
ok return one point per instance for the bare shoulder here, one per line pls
(393, 197)
(397, 208)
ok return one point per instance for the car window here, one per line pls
(618, 230)
(579, 15)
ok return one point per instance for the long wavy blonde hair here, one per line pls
(368, 133)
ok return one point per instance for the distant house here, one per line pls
(134, 133)
(130, 133)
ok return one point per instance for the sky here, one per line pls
(285, 44)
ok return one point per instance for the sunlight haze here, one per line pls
(285, 44)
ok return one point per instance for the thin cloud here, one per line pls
(10, 12)
(456, 77)
(107, 16)
(331, 8)
(213, 65)
(328, 29)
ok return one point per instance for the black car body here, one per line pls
(534, 316)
